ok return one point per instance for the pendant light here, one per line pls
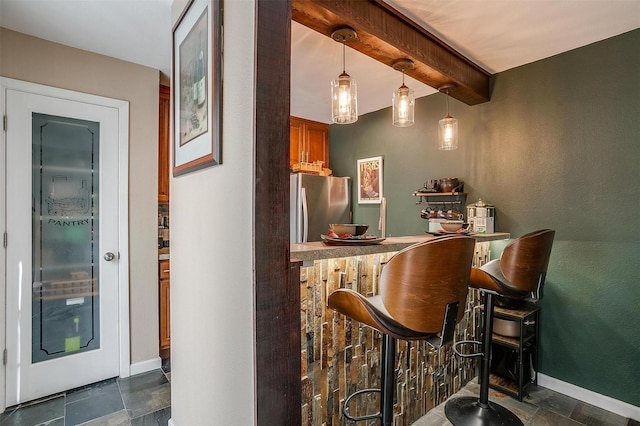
(403, 100)
(344, 94)
(448, 126)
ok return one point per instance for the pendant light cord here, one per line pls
(447, 92)
(344, 57)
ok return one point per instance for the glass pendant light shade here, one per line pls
(344, 92)
(448, 133)
(344, 100)
(448, 126)
(403, 100)
(403, 107)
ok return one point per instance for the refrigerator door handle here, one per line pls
(305, 215)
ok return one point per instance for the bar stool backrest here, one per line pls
(525, 260)
(418, 282)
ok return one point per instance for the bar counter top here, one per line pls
(318, 250)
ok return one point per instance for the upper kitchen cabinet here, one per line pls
(164, 145)
(309, 142)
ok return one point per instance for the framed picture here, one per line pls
(197, 87)
(370, 180)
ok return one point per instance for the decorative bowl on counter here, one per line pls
(452, 225)
(348, 228)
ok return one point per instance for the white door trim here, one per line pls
(123, 214)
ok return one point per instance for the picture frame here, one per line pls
(370, 180)
(197, 87)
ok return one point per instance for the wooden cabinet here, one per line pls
(164, 144)
(165, 315)
(164, 170)
(309, 142)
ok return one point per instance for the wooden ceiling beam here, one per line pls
(386, 36)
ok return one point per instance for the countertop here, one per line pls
(318, 250)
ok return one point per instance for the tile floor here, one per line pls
(145, 400)
(140, 400)
(543, 407)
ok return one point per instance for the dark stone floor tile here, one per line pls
(141, 382)
(92, 402)
(549, 418)
(119, 418)
(551, 401)
(432, 419)
(109, 385)
(145, 393)
(157, 418)
(594, 416)
(44, 412)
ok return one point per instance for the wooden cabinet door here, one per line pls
(296, 145)
(164, 145)
(309, 141)
(165, 312)
(316, 142)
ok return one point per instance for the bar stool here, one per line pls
(518, 274)
(423, 291)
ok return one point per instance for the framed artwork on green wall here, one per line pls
(370, 180)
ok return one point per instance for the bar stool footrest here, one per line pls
(457, 348)
(345, 407)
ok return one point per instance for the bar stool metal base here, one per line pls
(468, 411)
(386, 391)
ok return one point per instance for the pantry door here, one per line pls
(63, 253)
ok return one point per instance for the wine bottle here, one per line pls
(201, 80)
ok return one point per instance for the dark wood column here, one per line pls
(277, 296)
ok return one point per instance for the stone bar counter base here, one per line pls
(340, 355)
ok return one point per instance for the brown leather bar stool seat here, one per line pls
(519, 274)
(423, 291)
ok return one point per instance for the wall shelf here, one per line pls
(425, 197)
(441, 202)
(438, 194)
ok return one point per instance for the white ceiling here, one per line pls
(495, 34)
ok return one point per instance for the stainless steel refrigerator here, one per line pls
(317, 201)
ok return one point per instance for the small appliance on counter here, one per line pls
(481, 217)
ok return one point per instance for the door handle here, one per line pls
(108, 256)
(305, 216)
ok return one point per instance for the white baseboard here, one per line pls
(144, 366)
(171, 423)
(606, 403)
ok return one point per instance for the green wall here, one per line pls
(558, 146)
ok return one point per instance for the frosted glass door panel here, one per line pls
(65, 298)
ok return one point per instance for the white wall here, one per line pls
(212, 312)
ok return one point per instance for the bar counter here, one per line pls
(319, 250)
(340, 355)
